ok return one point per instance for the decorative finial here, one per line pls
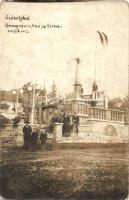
(94, 86)
(78, 60)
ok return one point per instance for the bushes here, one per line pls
(16, 120)
(3, 121)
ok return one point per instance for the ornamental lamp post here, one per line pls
(17, 92)
(32, 88)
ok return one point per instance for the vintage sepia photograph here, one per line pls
(64, 100)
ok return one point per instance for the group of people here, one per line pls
(31, 137)
(70, 123)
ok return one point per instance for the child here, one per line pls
(43, 136)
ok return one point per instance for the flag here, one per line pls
(103, 38)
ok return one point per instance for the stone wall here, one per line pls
(95, 131)
(11, 136)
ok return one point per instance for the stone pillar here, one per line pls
(19, 141)
(123, 117)
(108, 115)
(57, 134)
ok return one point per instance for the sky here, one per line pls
(49, 53)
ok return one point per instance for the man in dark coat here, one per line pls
(27, 130)
(66, 125)
(75, 120)
(34, 139)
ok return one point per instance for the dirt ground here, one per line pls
(94, 172)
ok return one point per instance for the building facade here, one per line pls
(97, 123)
(9, 104)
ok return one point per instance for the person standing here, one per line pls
(43, 136)
(66, 125)
(27, 130)
(34, 139)
(75, 120)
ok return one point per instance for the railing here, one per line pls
(110, 115)
(96, 113)
(80, 109)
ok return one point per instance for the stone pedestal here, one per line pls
(57, 134)
(19, 141)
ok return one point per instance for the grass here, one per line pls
(96, 172)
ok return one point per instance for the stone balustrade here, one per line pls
(107, 114)
(96, 113)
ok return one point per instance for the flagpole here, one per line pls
(97, 20)
(95, 60)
